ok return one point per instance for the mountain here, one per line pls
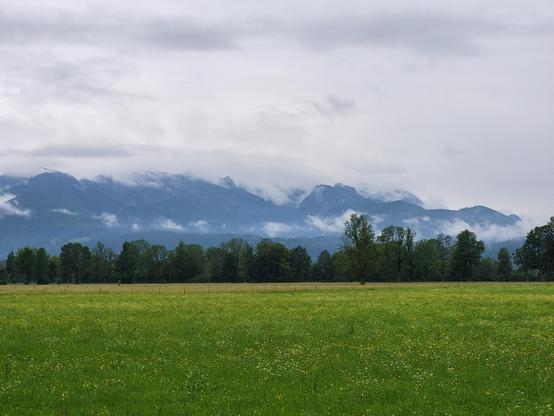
(53, 208)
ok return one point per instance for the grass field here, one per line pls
(429, 349)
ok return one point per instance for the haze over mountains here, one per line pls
(53, 208)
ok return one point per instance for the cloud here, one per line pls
(201, 226)
(336, 106)
(73, 151)
(275, 229)
(329, 225)
(420, 32)
(169, 225)
(65, 211)
(78, 28)
(9, 207)
(404, 95)
(108, 219)
(487, 232)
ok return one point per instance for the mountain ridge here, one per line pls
(55, 207)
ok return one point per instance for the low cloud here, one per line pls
(108, 219)
(487, 232)
(65, 211)
(330, 225)
(9, 207)
(275, 229)
(169, 225)
(72, 151)
(201, 226)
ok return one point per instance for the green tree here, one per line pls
(537, 252)
(75, 263)
(427, 260)
(187, 262)
(358, 244)
(445, 253)
(40, 267)
(323, 269)
(103, 264)
(392, 252)
(24, 262)
(466, 255)
(215, 257)
(272, 262)
(504, 264)
(10, 267)
(53, 269)
(300, 264)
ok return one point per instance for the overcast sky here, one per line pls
(452, 100)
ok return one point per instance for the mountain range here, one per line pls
(53, 208)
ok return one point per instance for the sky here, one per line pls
(451, 100)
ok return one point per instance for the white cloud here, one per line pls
(108, 219)
(487, 232)
(65, 211)
(9, 207)
(169, 225)
(330, 225)
(201, 226)
(275, 229)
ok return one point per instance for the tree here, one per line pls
(300, 264)
(323, 269)
(10, 266)
(272, 262)
(392, 252)
(237, 262)
(427, 260)
(40, 267)
(75, 263)
(537, 252)
(215, 257)
(485, 269)
(187, 262)
(466, 255)
(504, 264)
(358, 242)
(445, 253)
(53, 269)
(24, 263)
(103, 263)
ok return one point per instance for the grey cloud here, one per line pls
(336, 105)
(437, 34)
(72, 151)
(177, 33)
(422, 32)
(187, 34)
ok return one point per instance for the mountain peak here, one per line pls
(228, 182)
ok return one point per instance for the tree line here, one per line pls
(392, 256)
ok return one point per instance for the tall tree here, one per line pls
(537, 253)
(504, 264)
(75, 263)
(466, 255)
(24, 264)
(445, 254)
(392, 252)
(427, 260)
(272, 262)
(40, 267)
(358, 243)
(300, 264)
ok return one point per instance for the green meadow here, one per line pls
(428, 349)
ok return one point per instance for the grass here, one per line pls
(426, 349)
